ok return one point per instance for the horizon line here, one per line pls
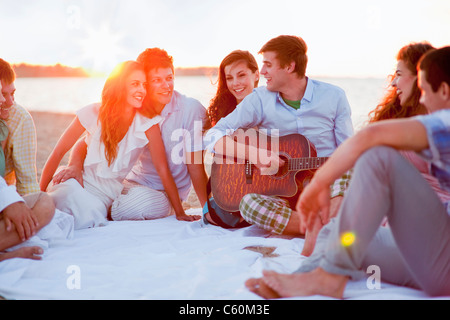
(79, 71)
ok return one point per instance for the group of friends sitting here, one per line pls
(379, 199)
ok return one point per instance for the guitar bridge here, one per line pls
(248, 172)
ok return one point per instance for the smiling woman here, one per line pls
(238, 76)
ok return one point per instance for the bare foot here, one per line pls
(259, 287)
(316, 282)
(24, 252)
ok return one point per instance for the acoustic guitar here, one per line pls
(231, 178)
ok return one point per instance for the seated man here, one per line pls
(20, 219)
(143, 197)
(291, 103)
(415, 250)
(20, 148)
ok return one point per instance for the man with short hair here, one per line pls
(414, 250)
(143, 196)
(290, 103)
(20, 148)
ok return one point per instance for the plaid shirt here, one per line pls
(20, 151)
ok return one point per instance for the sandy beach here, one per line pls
(50, 126)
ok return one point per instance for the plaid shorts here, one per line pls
(267, 212)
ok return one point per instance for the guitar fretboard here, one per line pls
(297, 164)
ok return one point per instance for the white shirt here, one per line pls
(181, 131)
(8, 195)
(99, 178)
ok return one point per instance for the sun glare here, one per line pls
(348, 238)
(101, 50)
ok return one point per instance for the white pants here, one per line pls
(87, 210)
(138, 202)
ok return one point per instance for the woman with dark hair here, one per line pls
(117, 132)
(238, 76)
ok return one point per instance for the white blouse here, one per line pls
(100, 179)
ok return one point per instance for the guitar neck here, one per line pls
(297, 164)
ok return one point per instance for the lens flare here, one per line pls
(348, 238)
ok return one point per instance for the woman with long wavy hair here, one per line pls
(117, 130)
(402, 100)
(399, 101)
(238, 76)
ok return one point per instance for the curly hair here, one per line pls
(389, 107)
(224, 102)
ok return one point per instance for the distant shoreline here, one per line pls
(24, 70)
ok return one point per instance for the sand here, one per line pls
(50, 126)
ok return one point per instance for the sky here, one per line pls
(345, 38)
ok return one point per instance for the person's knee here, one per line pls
(379, 153)
(44, 209)
(141, 203)
(380, 157)
(246, 204)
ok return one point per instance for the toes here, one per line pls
(252, 284)
(259, 287)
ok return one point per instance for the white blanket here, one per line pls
(163, 259)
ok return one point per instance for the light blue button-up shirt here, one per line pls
(324, 116)
(181, 132)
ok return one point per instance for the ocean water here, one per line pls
(66, 95)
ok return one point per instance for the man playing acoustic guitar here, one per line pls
(291, 103)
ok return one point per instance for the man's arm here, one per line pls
(408, 134)
(343, 128)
